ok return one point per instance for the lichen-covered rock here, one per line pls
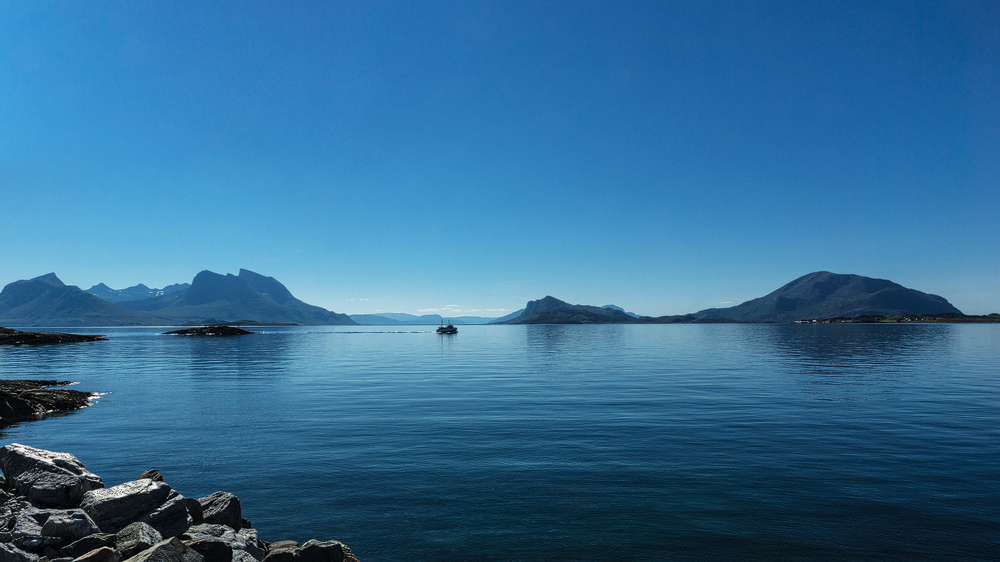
(10, 553)
(312, 551)
(63, 480)
(169, 550)
(70, 525)
(222, 508)
(86, 544)
(114, 508)
(103, 554)
(135, 538)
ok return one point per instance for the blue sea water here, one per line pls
(683, 442)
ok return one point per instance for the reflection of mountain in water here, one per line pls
(552, 344)
(856, 354)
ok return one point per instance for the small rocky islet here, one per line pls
(210, 331)
(27, 399)
(9, 336)
(52, 509)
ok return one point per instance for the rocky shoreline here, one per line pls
(52, 509)
(30, 399)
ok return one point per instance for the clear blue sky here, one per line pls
(662, 156)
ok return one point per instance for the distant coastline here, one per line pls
(252, 299)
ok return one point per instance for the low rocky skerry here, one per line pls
(30, 399)
(52, 509)
(210, 331)
(9, 336)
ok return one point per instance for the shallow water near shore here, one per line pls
(669, 442)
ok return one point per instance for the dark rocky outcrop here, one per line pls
(312, 551)
(9, 336)
(27, 399)
(213, 331)
(222, 508)
(143, 520)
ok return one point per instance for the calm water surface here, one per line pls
(690, 442)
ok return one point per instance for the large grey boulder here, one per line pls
(70, 525)
(10, 553)
(222, 508)
(312, 551)
(143, 500)
(213, 549)
(244, 540)
(19, 519)
(62, 480)
(22, 525)
(86, 544)
(171, 518)
(169, 550)
(135, 538)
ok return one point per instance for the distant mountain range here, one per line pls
(403, 319)
(210, 298)
(134, 292)
(47, 301)
(819, 295)
(253, 298)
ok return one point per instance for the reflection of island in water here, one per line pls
(853, 354)
(268, 354)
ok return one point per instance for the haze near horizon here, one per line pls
(464, 158)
